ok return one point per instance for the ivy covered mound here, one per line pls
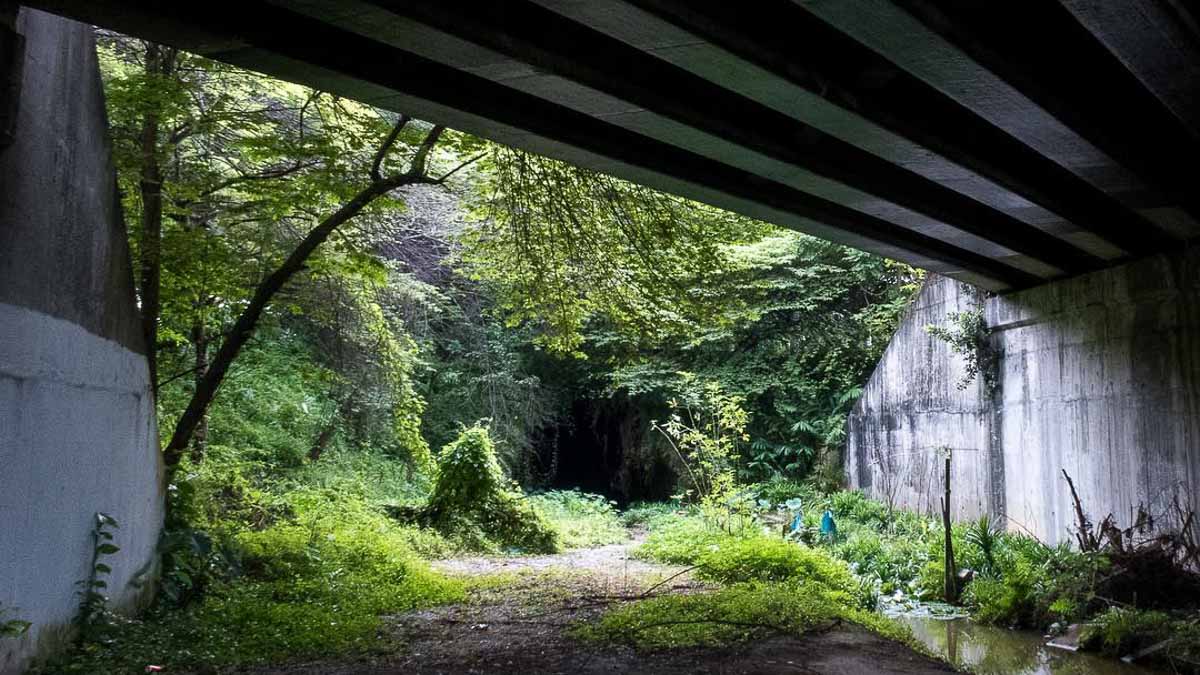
(473, 501)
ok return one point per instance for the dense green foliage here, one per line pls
(665, 298)
(472, 498)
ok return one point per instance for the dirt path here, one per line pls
(520, 611)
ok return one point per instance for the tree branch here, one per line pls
(269, 287)
(386, 146)
(460, 167)
(417, 168)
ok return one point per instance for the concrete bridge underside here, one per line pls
(1001, 143)
(1010, 145)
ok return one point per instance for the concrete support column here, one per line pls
(77, 427)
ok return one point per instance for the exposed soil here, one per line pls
(521, 609)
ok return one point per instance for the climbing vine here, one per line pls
(12, 628)
(94, 618)
(967, 334)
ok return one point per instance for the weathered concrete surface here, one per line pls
(1098, 375)
(77, 430)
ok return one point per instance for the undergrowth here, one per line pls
(648, 514)
(473, 499)
(314, 583)
(268, 555)
(769, 585)
(895, 557)
(681, 539)
(582, 520)
(737, 613)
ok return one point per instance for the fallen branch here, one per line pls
(1087, 540)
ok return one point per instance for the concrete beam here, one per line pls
(1169, 70)
(1063, 69)
(929, 129)
(524, 46)
(912, 131)
(303, 49)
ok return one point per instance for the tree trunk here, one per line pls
(159, 61)
(244, 327)
(200, 344)
(322, 442)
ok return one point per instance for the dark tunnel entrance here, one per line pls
(606, 448)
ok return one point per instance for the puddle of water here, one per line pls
(998, 651)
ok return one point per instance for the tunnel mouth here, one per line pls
(605, 447)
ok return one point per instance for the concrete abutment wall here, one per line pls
(1098, 375)
(77, 429)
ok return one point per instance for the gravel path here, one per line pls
(613, 560)
(518, 623)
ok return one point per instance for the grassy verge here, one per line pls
(582, 520)
(740, 612)
(766, 585)
(315, 583)
(896, 558)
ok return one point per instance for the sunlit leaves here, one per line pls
(563, 244)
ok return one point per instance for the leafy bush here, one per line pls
(472, 498)
(582, 520)
(1035, 584)
(11, 628)
(985, 536)
(778, 492)
(1121, 631)
(737, 613)
(769, 559)
(856, 506)
(705, 429)
(896, 562)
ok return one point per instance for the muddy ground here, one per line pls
(521, 609)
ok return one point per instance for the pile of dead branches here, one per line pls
(1155, 560)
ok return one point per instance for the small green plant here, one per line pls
(1121, 631)
(856, 506)
(967, 336)
(705, 429)
(985, 536)
(648, 514)
(12, 628)
(94, 620)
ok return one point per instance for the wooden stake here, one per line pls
(951, 579)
